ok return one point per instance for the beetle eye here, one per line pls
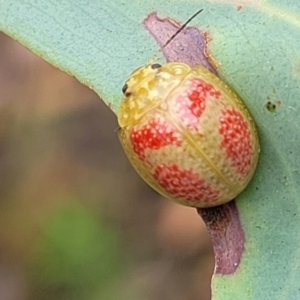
(155, 66)
(124, 88)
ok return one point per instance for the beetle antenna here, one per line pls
(177, 32)
(180, 29)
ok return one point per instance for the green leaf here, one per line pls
(256, 47)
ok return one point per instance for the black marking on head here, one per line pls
(124, 88)
(155, 66)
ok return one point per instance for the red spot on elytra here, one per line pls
(155, 134)
(191, 105)
(184, 184)
(236, 139)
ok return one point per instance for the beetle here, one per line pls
(187, 133)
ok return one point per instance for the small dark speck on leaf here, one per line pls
(271, 107)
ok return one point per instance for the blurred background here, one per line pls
(76, 221)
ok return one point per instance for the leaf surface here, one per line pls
(256, 46)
